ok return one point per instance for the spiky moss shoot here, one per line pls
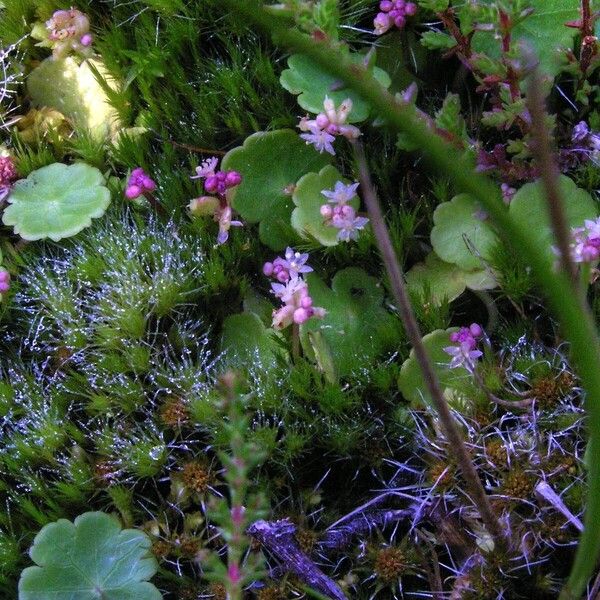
(497, 453)
(307, 539)
(548, 391)
(196, 476)
(217, 591)
(390, 564)
(161, 548)
(441, 474)
(271, 592)
(187, 546)
(517, 484)
(174, 412)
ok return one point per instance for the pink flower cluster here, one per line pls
(138, 184)
(8, 173)
(284, 269)
(322, 131)
(68, 30)
(216, 182)
(464, 352)
(292, 290)
(585, 247)
(4, 281)
(341, 215)
(393, 12)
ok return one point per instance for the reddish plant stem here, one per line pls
(396, 276)
(542, 151)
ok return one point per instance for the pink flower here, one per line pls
(216, 182)
(4, 281)
(138, 184)
(464, 353)
(327, 125)
(341, 194)
(283, 269)
(223, 217)
(68, 30)
(393, 12)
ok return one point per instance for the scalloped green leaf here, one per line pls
(460, 236)
(246, 340)
(56, 201)
(410, 380)
(271, 163)
(88, 559)
(311, 84)
(529, 206)
(445, 281)
(73, 90)
(357, 328)
(306, 217)
(544, 31)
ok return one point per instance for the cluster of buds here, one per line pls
(393, 13)
(68, 30)
(292, 290)
(4, 281)
(464, 352)
(138, 184)
(341, 215)
(218, 183)
(8, 173)
(284, 269)
(585, 247)
(322, 130)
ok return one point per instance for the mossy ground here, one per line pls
(110, 341)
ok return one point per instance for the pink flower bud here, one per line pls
(386, 5)
(322, 121)
(476, 330)
(133, 191)
(86, 40)
(400, 22)
(148, 183)
(454, 337)
(211, 185)
(326, 211)
(410, 9)
(301, 315)
(268, 269)
(232, 179)
(306, 302)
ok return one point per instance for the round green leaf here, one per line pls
(445, 281)
(306, 218)
(529, 207)
(311, 84)
(56, 201)
(73, 90)
(357, 328)
(545, 32)
(246, 340)
(410, 380)
(89, 559)
(460, 236)
(271, 163)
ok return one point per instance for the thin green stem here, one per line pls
(577, 324)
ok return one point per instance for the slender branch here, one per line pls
(455, 441)
(542, 151)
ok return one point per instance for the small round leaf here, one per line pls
(410, 380)
(460, 235)
(306, 218)
(311, 84)
(73, 90)
(357, 328)
(270, 164)
(89, 559)
(529, 207)
(445, 281)
(56, 201)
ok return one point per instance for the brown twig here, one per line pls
(451, 432)
(542, 150)
(196, 148)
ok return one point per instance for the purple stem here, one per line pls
(278, 538)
